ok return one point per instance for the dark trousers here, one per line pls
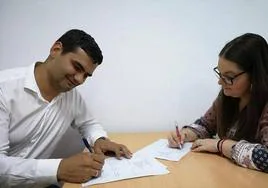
(53, 186)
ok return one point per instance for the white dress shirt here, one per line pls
(30, 128)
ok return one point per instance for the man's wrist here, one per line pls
(100, 139)
(103, 138)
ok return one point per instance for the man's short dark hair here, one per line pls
(73, 39)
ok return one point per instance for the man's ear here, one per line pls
(56, 49)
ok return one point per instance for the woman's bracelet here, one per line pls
(219, 146)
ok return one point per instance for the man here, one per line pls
(38, 104)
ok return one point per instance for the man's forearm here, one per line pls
(19, 171)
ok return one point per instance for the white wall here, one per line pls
(158, 54)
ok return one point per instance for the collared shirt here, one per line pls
(30, 128)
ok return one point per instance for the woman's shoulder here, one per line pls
(263, 121)
(265, 109)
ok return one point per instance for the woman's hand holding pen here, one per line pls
(176, 141)
(186, 135)
(80, 167)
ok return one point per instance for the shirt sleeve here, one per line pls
(16, 171)
(21, 172)
(205, 127)
(254, 156)
(84, 121)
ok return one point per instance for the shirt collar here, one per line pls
(30, 82)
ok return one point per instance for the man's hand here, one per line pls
(80, 168)
(105, 145)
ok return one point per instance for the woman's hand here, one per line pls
(186, 135)
(202, 145)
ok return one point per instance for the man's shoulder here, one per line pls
(12, 74)
(74, 96)
(12, 81)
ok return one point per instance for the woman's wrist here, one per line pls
(189, 135)
(225, 147)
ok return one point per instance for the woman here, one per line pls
(239, 115)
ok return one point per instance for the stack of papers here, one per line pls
(161, 150)
(137, 166)
(142, 163)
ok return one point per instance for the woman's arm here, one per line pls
(205, 127)
(248, 155)
(251, 155)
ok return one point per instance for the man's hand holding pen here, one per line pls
(80, 167)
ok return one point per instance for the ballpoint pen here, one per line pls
(91, 151)
(87, 145)
(178, 134)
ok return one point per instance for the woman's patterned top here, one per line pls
(249, 155)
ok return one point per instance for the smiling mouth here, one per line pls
(71, 82)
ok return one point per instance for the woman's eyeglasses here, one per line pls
(227, 79)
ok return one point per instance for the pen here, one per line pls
(87, 145)
(178, 134)
(91, 151)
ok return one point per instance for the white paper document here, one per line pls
(161, 150)
(137, 166)
(143, 163)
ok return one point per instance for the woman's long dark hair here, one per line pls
(250, 53)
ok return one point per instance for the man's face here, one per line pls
(71, 69)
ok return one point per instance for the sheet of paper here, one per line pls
(161, 150)
(137, 166)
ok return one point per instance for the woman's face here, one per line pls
(234, 81)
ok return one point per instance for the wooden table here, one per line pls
(194, 170)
